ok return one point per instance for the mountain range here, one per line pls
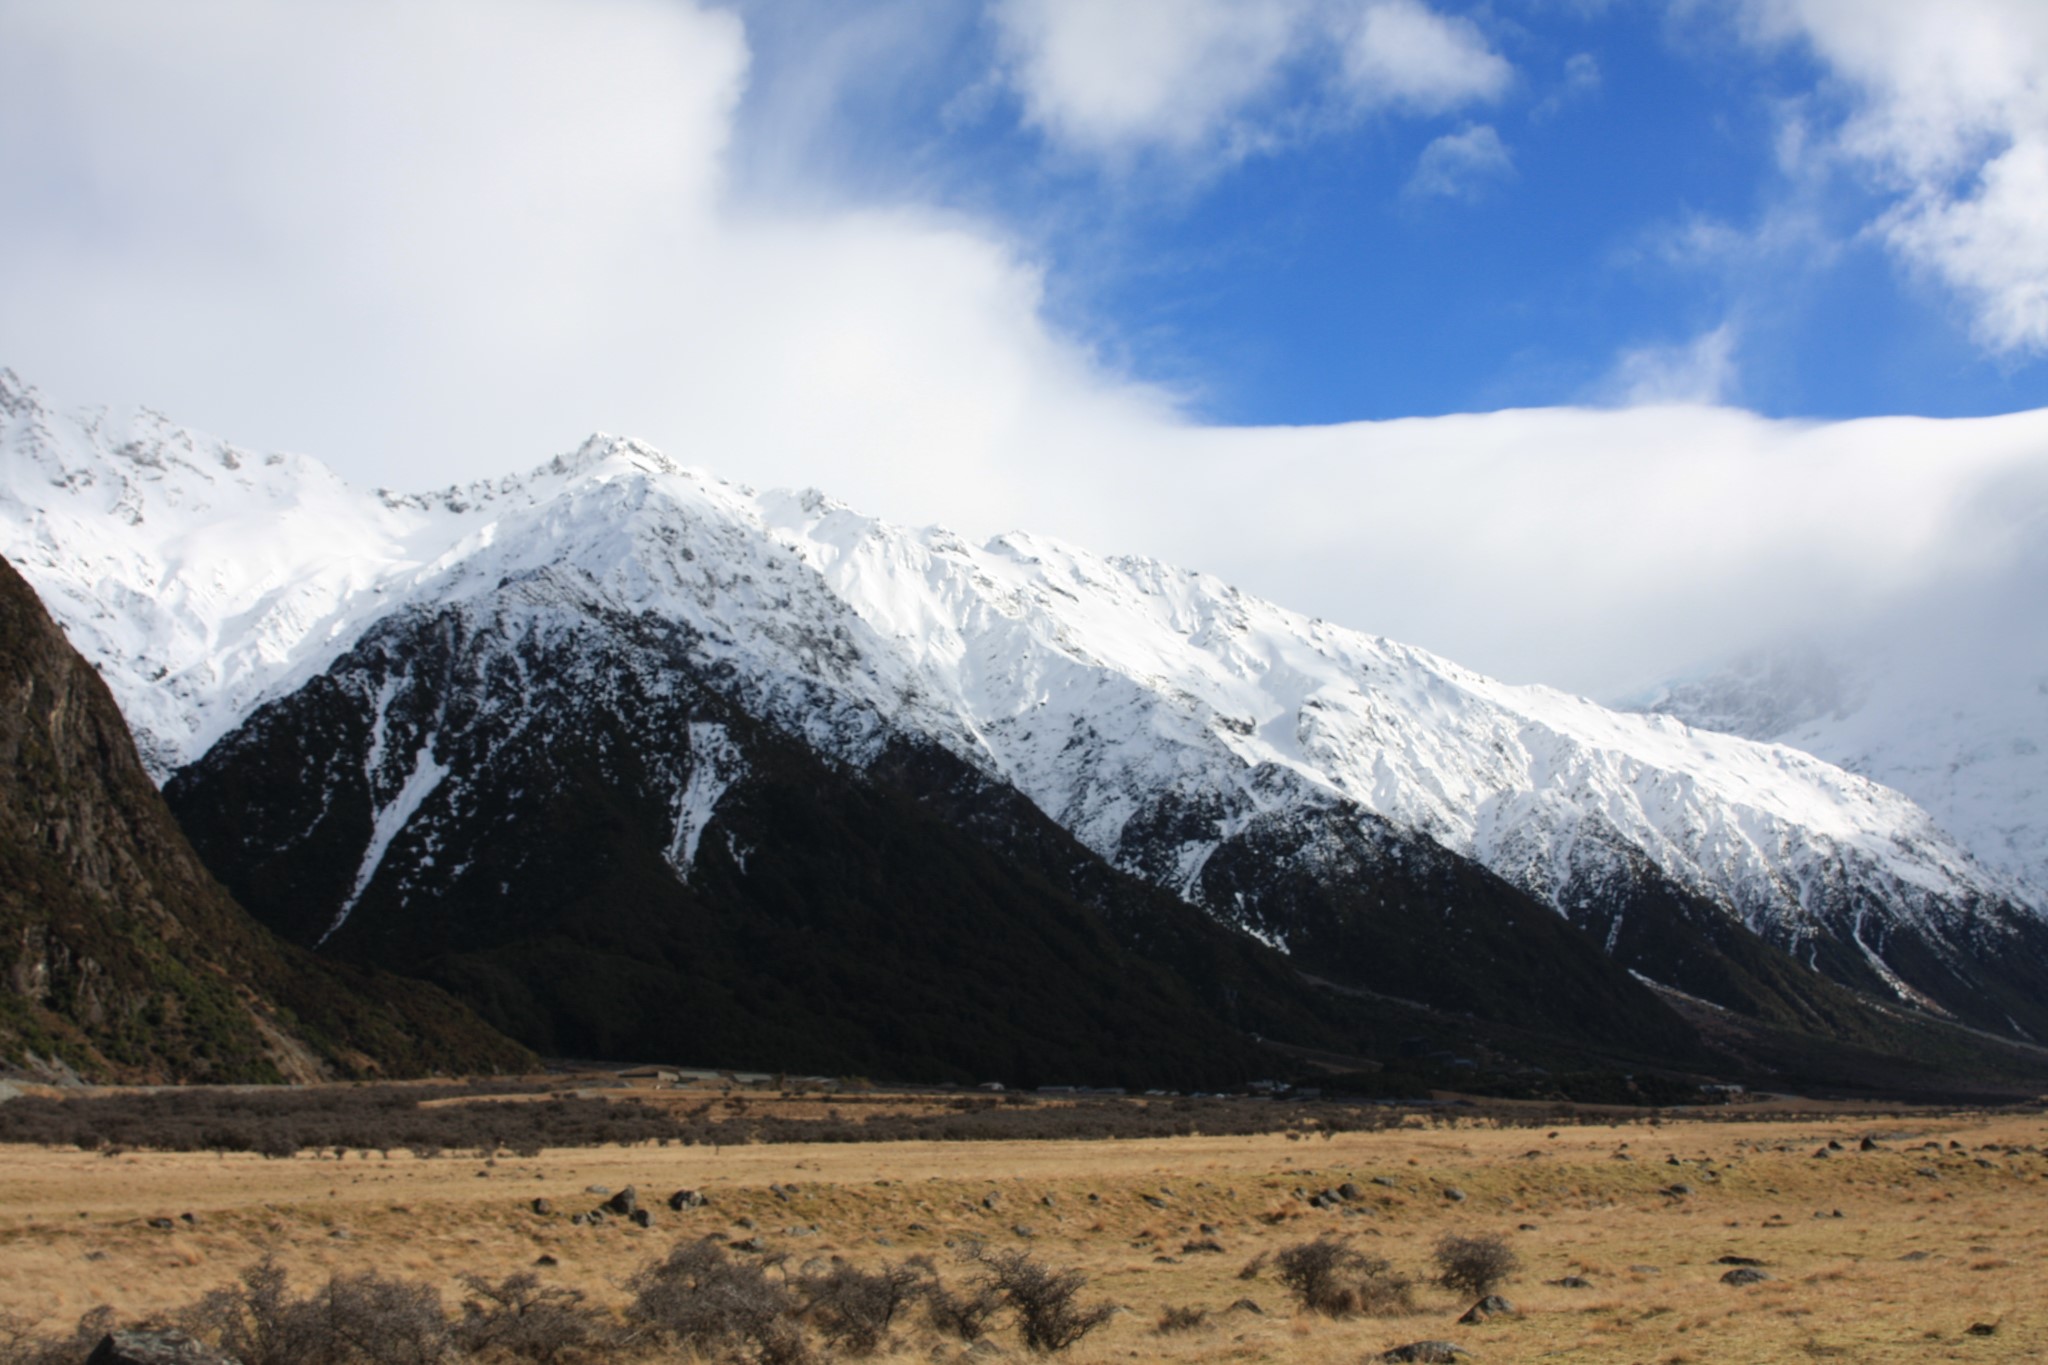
(636, 761)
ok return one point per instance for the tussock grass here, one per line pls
(1122, 1213)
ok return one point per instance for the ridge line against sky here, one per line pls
(1116, 273)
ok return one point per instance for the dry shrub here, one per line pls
(1048, 1318)
(700, 1297)
(853, 1308)
(19, 1344)
(1181, 1319)
(354, 1318)
(522, 1318)
(965, 1314)
(1330, 1276)
(1474, 1265)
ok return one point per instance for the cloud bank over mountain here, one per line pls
(438, 240)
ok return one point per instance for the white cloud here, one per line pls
(429, 239)
(1461, 165)
(1949, 113)
(1701, 371)
(1401, 52)
(436, 239)
(1109, 78)
(1199, 79)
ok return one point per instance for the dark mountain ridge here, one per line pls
(121, 958)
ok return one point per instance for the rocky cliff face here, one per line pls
(120, 955)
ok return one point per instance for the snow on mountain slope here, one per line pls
(1098, 686)
(1156, 713)
(192, 573)
(1942, 698)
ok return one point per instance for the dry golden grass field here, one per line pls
(1892, 1254)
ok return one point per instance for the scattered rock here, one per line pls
(1820, 1152)
(642, 1218)
(1492, 1306)
(749, 1244)
(1022, 1230)
(1981, 1329)
(579, 1219)
(1207, 1244)
(1526, 1227)
(597, 1189)
(155, 1348)
(1743, 1274)
(1387, 1181)
(1154, 1200)
(991, 1201)
(1349, 1190)
(191, 1218)
(543, 1207)
(1456, 1196)
(744, 1222)
(625, 1203)
(1738, 1260)
(162, 1224)
(1210, 1229)
(1246, 1306)
(1916, 1256)
(1049, 1200)
(686, 1199)
(1426, 1352)
(1868, 1144)
(545, 1259)
(1572, 1282)
(1679, 1191)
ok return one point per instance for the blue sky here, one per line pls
(1554, 335)
(1324, 277)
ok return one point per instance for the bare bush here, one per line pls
(261, 1323)
(701, 1297)
(386, 1321)
(20, 1344)
(1181, 1319)
(965, 1314)
(853, 1308)
(525, 1319)
(1474, 1265)
(1048, 1318)
(1331, 1277)
(361, 1319)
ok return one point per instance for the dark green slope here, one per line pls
(121, 956)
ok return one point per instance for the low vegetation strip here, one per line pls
(278, 1122)
(523, 1117)
(699, 1302)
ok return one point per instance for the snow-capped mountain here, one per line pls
(1940, 698)
(1211, 743)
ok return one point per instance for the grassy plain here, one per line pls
(1892, 1254)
